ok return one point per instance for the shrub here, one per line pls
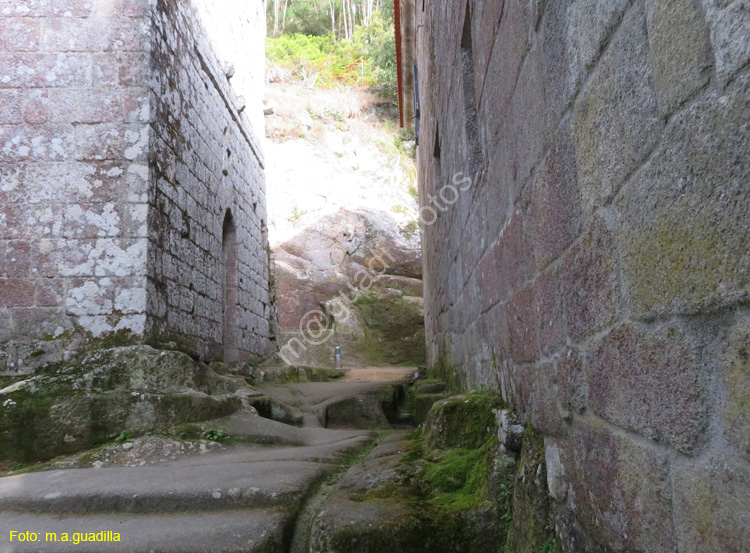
(369, 60)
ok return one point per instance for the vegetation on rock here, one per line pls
(415, 495)
(315, 52)
(108, 394)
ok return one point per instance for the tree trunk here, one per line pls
(275, 18)
(407, 56)
(349, 8)
(333, 17)
(345, 18)
(283, 21)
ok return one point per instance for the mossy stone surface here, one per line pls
(395, 329)
(532, 530)
(136, 389)
(409, 496)
(429, 387)
(684, 246)
(292, 374)
(461, 421)
(363, 411)
(422, 405)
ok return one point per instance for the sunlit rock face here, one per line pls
(123, 149)
(343, 228)
(353, 280)
(595, 271)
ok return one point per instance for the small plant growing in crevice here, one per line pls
(334, 114)
(549, 546)
(369, 298)
(505, 499)
(122, 437)
(217, 435)
(297, 214)
(189, 431)
(401, 137)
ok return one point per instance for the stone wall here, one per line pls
(115, 180)
(596, 270)
(74, 110)
(207, 166)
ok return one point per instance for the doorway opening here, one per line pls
(230, 291)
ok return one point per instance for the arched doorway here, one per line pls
(230, 295)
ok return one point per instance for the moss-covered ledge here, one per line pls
(137, 389)
(469, 480)
(442, 487)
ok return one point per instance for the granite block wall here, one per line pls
(74, 110)
(122, 149)
(595, 269)
(208, 173)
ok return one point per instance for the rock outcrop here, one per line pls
(130, 390)
(163, 494)
(351, 279)
(306, 467)
(448, 487)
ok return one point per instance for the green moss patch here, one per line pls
(425, 498)
(135, 389)
(458, 480)
(464, 421)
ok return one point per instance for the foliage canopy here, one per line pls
(313, 50)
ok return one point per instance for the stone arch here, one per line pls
(230, 296)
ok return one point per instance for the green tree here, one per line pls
(367, 59)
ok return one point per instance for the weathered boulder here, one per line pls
(326, 242)
(133, 389)
(351, 279)
(388, 248)
(395, 328)
(336, 322)
(302, 287)
(408, 285)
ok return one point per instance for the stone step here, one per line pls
(341, 404)
(243, 498)
(255, 531)
(228, 486)
(248, 427)
(311, 420)
(245, 453)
